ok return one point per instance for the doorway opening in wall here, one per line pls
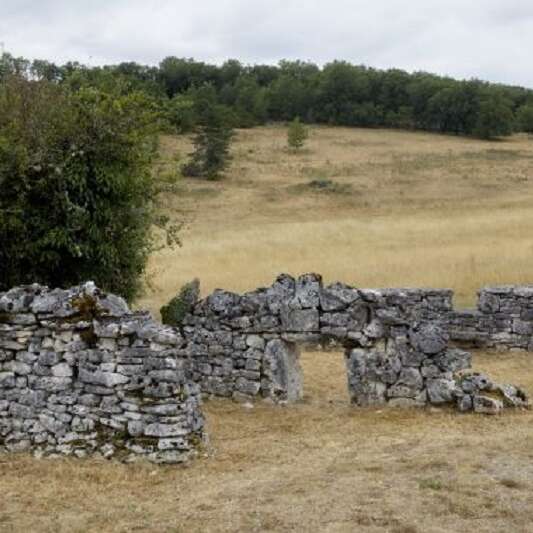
(324, 376)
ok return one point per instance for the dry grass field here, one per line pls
(401, 209)
(404, 209)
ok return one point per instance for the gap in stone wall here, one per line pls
(324, 376)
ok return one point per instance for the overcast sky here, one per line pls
(488, 39)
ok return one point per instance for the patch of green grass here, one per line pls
(322, 186)
(430, 484)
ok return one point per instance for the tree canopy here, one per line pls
(339, 93)
(75, 185)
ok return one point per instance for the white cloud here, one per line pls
(488, 39)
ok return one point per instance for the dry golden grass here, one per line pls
(319, 465)
(414, 210)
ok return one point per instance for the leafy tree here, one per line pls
(341, 86)
(297, 134)
(454, 108)
(10, 65)
(524, 117)
(76, 193)
(211, 154)
(495, 118)
(250, 103)
(180, 113)
(44, 70)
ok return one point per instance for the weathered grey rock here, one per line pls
(337, 297)
(476, 382)
(488, 303)
(465, 403)
(299, 320)
(441, 391)
(62, 370)
(513, 396)
(282, 367)
(255, 341)
(165, 430)
(453, 360)
(409, 384)
(429, 338)
(486, 405)
(307, 291)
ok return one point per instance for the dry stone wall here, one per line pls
(81, 374)
(503, 320)
(396, 343)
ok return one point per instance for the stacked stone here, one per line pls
(80, 374)
(414, 367)
(244, 346)
(503, 320)
(411, 366)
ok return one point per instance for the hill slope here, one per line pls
(368, 207)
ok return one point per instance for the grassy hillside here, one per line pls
(403, 209)
(368, 207)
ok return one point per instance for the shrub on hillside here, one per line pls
(75, 186)
(175, 311)
(297, 134)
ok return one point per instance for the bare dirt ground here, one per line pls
(320, 465)
(402, 209)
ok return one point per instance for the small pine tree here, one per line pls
(297, 134)
(212, 141)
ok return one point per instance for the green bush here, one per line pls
(179, 112)
(175, 311)
(76, 193)
(297, 134)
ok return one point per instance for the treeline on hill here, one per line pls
(337, 94)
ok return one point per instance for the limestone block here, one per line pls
(282, 366)
(299, 320)
(486, 405)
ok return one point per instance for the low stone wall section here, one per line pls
(80, 374)
(503, 320)
(396, 343)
